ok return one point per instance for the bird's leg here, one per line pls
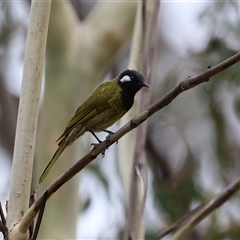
(96, 144)
(109, 133)
(95, 136)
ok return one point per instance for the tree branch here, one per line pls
(126, 158)
(27, 117)
(192, 82)
(138, 176)
(206, 209)
(135, 122)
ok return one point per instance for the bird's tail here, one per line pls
(53, 160)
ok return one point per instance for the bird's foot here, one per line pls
(110, 133)
(97, 144)
(109, 136)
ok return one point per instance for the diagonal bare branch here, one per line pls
(187, 84)
(207, 208)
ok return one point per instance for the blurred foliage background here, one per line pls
(192, 144)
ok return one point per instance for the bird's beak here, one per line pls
(145, 85)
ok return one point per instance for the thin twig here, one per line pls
(135, 122)
(202, 209)
(31, 201)
(4, 230)
(208, 208)
(40, 215)
(181, 221)
(2, 215)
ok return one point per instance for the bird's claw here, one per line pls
(97, 144)
(109, 136)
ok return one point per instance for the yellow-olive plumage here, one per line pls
(107, 104)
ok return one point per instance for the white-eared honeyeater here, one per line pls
(107, 104)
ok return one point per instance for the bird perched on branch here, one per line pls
(107, 104)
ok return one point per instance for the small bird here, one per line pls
(107, 104)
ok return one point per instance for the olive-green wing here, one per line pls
(98, 101)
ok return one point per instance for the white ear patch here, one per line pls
(125, 79)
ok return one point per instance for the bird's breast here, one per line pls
(127, 100)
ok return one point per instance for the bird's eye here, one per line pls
(125, 79)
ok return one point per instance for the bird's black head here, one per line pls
(131, 82)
